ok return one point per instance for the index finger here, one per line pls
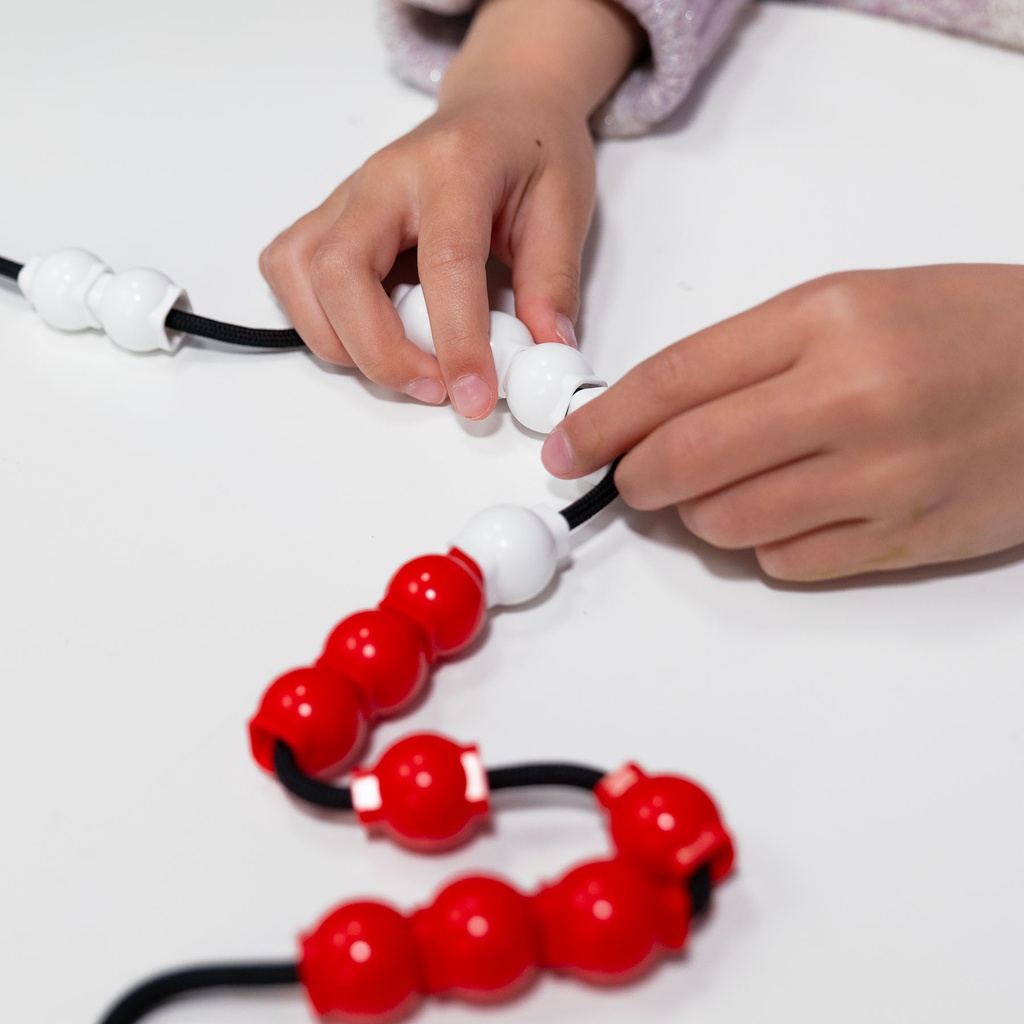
(454, 244)
(347, 272)
(726, 357)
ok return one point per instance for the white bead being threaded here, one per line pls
(73, 289)
(517, 549)
(508, 335)
(541, 383)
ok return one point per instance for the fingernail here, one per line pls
(556, 456)
(426, 389)
(471, 396)
(565, 330)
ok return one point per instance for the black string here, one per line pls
(323, 794)
(8, 268)
(299, 784)
(232, 334)
(158, 990)
(516, 776)
(597, 498)
(701, 887)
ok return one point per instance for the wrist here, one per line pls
(570, 53)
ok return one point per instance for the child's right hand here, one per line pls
(505, 166)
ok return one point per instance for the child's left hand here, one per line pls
(862, 421)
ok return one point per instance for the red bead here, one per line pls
(360, 962)
(665, 823)
(608, 920)
(317, 713)
(479, 939)
(426, 791)
(443, 596)
(383, 653)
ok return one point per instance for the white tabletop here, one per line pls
(179, 530)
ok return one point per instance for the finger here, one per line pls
(347, 271)
(726, 357)
(784, 503)
(454, 243)
(836, 551)
(722, 442)
(546, 257)
(285, 265)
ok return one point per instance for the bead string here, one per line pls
(143, 310)
(605, 920)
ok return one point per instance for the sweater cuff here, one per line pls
(422, 38)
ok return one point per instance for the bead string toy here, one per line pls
(605, 920)
(143, 310)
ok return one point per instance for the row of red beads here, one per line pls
(482, 939)
(374, 664)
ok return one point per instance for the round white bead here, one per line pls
(517, 549)
(541, 382)
(509, 337)
(56, 286)
(132, 307)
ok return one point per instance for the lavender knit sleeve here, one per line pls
(683, 36)
(995, 21)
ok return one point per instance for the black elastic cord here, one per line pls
(515, 776)
(701, 887)
(299, 784)
(232, 334)
(603, 494)
(8, 268)
(158, 990)
(323, 794)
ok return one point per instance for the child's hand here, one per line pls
(492, 173)
(870, 420)
(505, 166)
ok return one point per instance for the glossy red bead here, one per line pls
(317, 713)
(666, 823)
(443, 596)
(608, 920)
(478, 939)
(360, 963)
(384, 653)
(425, 791)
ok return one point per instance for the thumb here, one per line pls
(546, 266)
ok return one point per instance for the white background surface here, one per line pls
(177, 531)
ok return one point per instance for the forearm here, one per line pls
(572, 52)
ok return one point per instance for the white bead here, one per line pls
(56, 287)
(412, 308)
(509, 337)
(517, 549)
(73, 289)
(132, 307)
(541, 382)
